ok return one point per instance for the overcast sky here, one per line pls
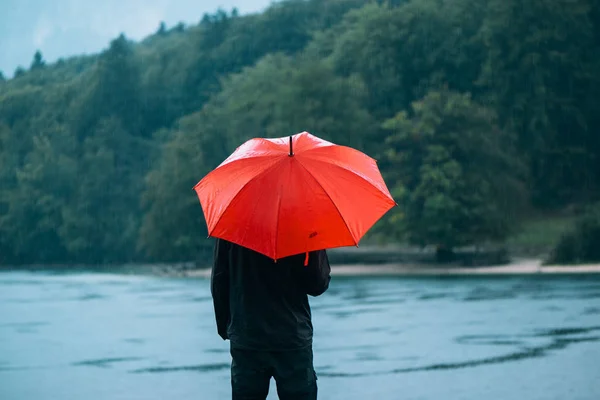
(61, 28)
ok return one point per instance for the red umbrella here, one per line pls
(293, 195)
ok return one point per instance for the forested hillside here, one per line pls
(476, 110)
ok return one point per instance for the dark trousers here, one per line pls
(251, 372)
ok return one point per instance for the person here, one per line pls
(261, 306)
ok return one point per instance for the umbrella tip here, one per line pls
(291, 149)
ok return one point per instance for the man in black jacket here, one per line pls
(262, 307)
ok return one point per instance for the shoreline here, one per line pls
(523, 267)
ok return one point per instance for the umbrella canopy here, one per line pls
(292, 195)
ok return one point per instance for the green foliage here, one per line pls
(402, 51)
(580, 245)
(452, 171)
(539, 75)
(19, 72)
(162, 29)
(112, 90)
(173, 225)
(102, 220)
(283, 95)
(99, 153)
(35, 203)
(38, 61)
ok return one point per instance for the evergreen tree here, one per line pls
(38, 61)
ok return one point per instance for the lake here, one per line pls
(98, 336)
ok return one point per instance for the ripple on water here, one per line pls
(561, 338)
(486, 294)
(427, 326)
(190, 368)
(340, 314)
(105, 362)
(553, 308)
(90, 296)
(29, 324)
(216, 351)
(489, 340)
(434, 296)
(367, 356)
(135, 340)
(591, 311)
(532, 352)
(566, 331)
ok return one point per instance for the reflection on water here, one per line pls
(103, 336)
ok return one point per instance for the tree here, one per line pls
(401, 51)
(297, 94)
(112, 92)
(98, 122)
(173, 226)
(539, 73)
(35, 205)
(452, 171)
(9, 163)
(77, 137)
(102, 219)
(162, 29)
(19, 72)
(180, 27)
(224, 44)
(38, 61)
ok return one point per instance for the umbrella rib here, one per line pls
(332, 202)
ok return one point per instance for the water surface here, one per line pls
(103, 336)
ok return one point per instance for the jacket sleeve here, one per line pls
(317, 274)
(219, 287)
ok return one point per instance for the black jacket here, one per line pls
(261, 304)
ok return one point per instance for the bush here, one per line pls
(582, 244)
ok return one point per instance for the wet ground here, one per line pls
(102, 336)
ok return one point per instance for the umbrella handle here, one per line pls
(306, 259)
